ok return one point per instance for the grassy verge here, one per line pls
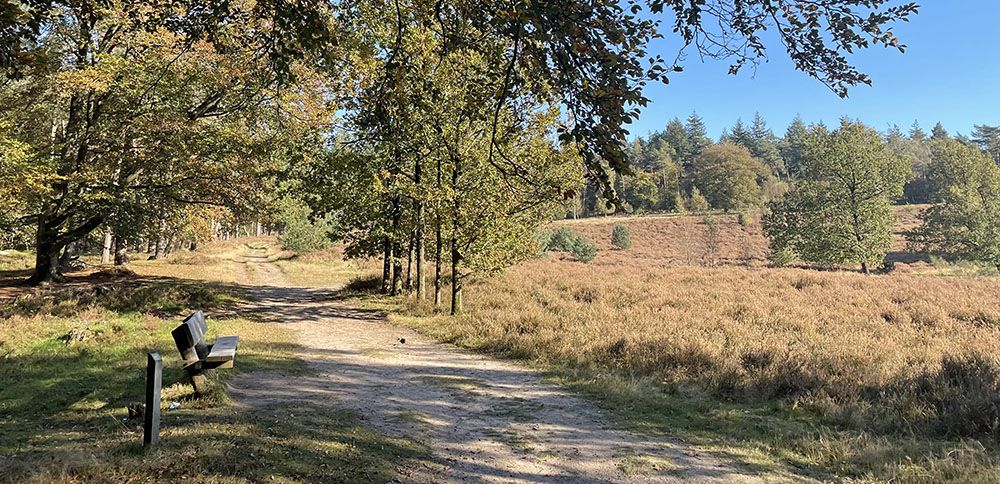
(72, 358)
(823, 375)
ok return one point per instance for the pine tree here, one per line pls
(676, 137)
(739, 135)
(793, 146)
(765, 146)
(939, 133)
(917, 133)
(988, 138)
(697, 137)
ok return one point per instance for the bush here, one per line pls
(697, 202)
(577, 245)
(782, 257)
(562, 239)
(302, 232)
(747, 218)
(543, 239)
(621, 238)
(582, 249)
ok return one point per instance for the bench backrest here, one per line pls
(190, 337)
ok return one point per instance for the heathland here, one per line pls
(823, 371)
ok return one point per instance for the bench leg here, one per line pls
(198, 381)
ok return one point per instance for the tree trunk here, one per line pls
(47, 249)
(397, 270)
(438, 244)
(397, 260)
(67, 256)
(456, 255)
(456, 279)
(864, 268)
(160, 248)
(437, 263)
(106, 248)
(409, 266)
(386, 265)
(418, 235)
(121, 251)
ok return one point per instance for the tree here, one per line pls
(676, 137)
(765, 146)
(641, 192)
(917, 153)
(793, 146)
(126, 114)
(964, 220)
(697, 138)
(621, 237)
(988, 138)
(739, 135)
(917, 133)
(939, 133)
(727, 175)
(592, 57)
(840, 212)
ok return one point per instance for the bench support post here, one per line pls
(198, 381)
(154, 380)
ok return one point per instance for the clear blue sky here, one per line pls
(949, 73)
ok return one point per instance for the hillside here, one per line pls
(674, 239)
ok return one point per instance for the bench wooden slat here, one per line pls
(224, 349)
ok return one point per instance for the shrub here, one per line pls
(562, 239)
(712, 241)
(582, 249)
(621, 238)
(697, 202)
(747, 218)
(543, 239)
(782, 257)
(302, 232)
(577, 245)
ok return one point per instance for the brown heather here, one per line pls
(900, 353)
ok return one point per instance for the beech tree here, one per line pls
(729, 176)
(964, 218)
(840, 213)
(123, 117)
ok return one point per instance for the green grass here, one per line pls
(71, 360)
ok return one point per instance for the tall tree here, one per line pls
(840, 212)
(964, 220)
(126, 117)
(939, 133)
(916, 132)
(697, 138)
(729, 176)
(988, 138)
(793, 146)
(676, 137)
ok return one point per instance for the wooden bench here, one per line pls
(199, 356)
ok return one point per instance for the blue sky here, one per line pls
(949, 73)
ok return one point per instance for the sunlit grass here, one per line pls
(823, 374)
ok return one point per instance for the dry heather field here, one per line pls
(828, 374)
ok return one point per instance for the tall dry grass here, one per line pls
(898, 354)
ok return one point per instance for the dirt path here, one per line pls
(484, 420)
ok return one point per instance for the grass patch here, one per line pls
(73, 357)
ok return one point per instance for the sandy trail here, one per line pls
(484, 420)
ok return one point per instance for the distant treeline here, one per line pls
(680, 168)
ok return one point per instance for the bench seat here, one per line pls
(223, 349)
